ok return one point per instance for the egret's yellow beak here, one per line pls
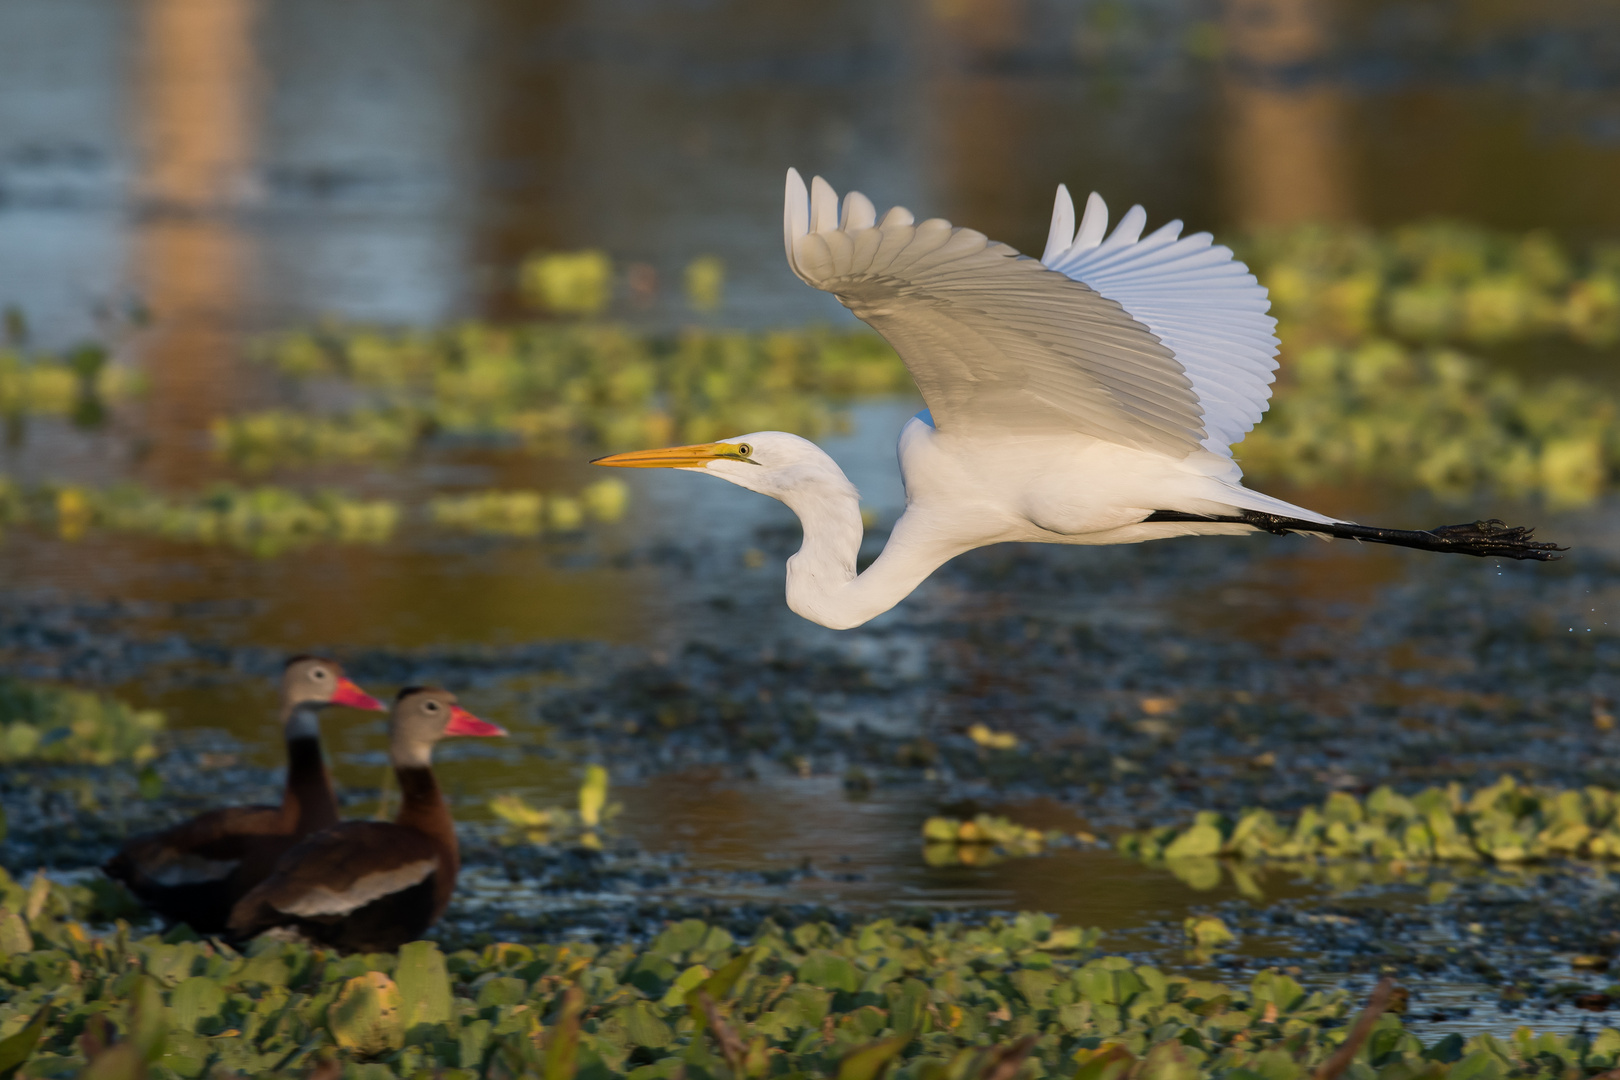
(695, 456)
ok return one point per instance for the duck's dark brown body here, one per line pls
(363, 886)
(196, 871)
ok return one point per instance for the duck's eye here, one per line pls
(744, 450)
(319, 673)
(432, 706)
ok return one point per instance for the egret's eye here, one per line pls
(744, 449)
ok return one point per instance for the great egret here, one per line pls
(1090, 397)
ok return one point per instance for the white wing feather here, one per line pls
(1198, 300)
(994, 340)
(321, 900)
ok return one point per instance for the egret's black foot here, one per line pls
(1492, 537)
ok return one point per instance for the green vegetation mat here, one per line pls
(76, 385)
(935, 1002)
(553, 385)
(1508, 822)
(1439, 281)
(55, 724)
(1372, 385)
(269, 520)
(986, 839)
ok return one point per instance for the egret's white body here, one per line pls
(1070, 399)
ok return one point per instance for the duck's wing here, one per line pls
(206, 848)
(337, 871)
(997, 343)
(1196, 298)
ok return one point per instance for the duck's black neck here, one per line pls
(308, 803)
(418, 788)
(423, 809)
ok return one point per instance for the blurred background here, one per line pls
(253, 164)
(315, 312)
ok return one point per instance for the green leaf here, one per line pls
(644, 1028)
(472, 1043)
(829, 971)
(720, 984)
(869, 1061)
(1171, 1061)
(1035, 986)
(562, 1041)
(14, 935)
(688, 981)
(1277, 988)
(1207, 931)
(502, 990)
(195, 1001)
(146, 1019)
(267, 968)
(1199, 873)
(593, 796)
(185, 1052)
(364, 1017)
(680, 938)
(15, 1049)
(911, 1006)
(1109, 1062)
(1201, 840)
(1276, 1064)
(424, 985)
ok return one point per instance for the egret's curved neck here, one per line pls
(822, 584)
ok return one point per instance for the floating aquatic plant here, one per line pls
(1367, 389)
(554, 824)
(552, 385)
(257, 441)
(58, 724)
(1508, 822)
(64, 385)
(806, 1002)
(270, 520)
(1436, 420)
(568, 282)
(1439, 281)
(529, 513)
(985, 839)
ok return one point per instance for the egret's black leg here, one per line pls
(1482, 538)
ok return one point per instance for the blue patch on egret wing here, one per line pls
(926, 417)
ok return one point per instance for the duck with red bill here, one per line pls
(196, 871)
(371, 886)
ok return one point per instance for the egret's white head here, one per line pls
(772, 463)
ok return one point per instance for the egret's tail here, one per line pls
(1243, 498)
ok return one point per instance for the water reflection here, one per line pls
(1284, 150)
(386, 163)
(196, 127)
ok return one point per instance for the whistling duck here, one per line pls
(196, 871)
(371, 886)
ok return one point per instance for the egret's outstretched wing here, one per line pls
(1195, 297)
(996, 341)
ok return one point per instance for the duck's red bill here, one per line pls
(355, 698)
(463, 722)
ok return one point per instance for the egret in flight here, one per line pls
(1088, 397)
